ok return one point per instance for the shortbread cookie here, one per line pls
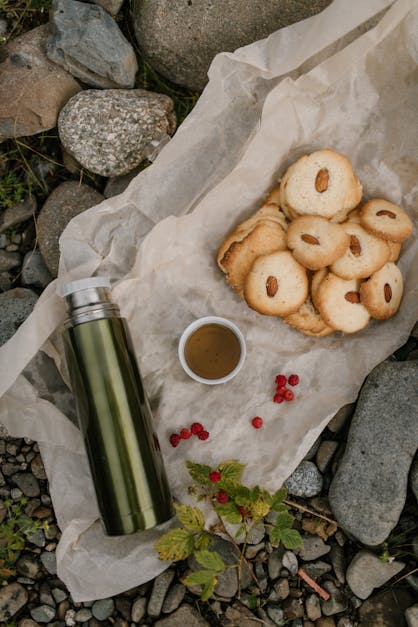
(339, 304)
(354, 216)
(272, 212)
(316, 280)
(308, 320)
(236, 260)
(277, 285)
(274, 197)
(365, 254)
(382, 293)
(386, 220)
(322, 183)
(395, 250)
(316, 242)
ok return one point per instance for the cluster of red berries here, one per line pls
(282, 392)
(185, 434)
(222, 496)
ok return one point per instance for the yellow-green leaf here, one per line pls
(284, 521)
(210, 560)
(278, 498)
(175, 545)
(191, 517)
(199, 472)
(231, 469)
(291, 539)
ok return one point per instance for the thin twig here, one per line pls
(322, 593)
(310, 511)
(411, 572)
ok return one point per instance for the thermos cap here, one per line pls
(83, 284)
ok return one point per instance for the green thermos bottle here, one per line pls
(113, 411)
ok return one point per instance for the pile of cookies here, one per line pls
(314, 256)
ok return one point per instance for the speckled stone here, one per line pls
(305, 481)
(15, 307)
(181, 38)
(66, 201)
(107, 131)
(88, 43)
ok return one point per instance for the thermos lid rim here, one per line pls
(83, 284)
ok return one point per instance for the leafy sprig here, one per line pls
(240, 505)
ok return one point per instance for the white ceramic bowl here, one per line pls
(200, 323)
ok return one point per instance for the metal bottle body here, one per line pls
(116, 422)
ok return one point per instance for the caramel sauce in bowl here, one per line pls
(212, 350)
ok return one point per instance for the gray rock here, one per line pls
(290, 562)
(313, 450)
(180, 39)
(174, 597)
(325, 454)
(9, 260)
(337, 557)
(28, 622)
(305, 481)
(88, 43)
(37, 467)
(108, 131)
(139, 608)
(20, 212)
(368, 492)
(317, 569)
(238, 614)
(274, 565)
(293, 608)
(256, 534)
(282, 589)
(27, 483)
(411, 616)
(117, 184)
(45, 595)
(253, 549)
(344, 621)
(367, 572)
(276, 614)
(313, 607)
(59, 595)
(37, 538)
(385, 609)
(66, 201)
(336, 603)
(111, 6)
(83, 615)
(414, 332)
(34, 271)
(49, 561)
(12, 598)
(43, 613)
(185, 615)
(313, 547)
(159, 591)
(33, 89)
(413, 478)
(338, 421)
(103, 609)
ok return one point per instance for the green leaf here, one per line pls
(231, 469)
(234, 518)
(280, 507)
(284, 521)
(275, 536)
(254, 494)
(241, 531)
(199, 472)
(230, 512)
(175, 545)
(191, 517)
(291, 539)
(208, 589)
(210, 560)
(278, 498)
(205, 578)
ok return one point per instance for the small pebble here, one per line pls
(103, 609)
(290, 562)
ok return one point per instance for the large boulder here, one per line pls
(66, 201)
(107, 131)
(181, 38)
(33, 89)
(368, 492)
(87, 42)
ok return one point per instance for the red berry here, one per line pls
(257, 422)
(242, 511)
(281, 380)
(196, 428)
(281, 391)
(215, 476)
(277, 398)
(175, 439)
(222, 497)
(288, 395)
(293, 379)
(203, 435)
(185, 434)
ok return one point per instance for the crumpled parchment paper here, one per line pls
(324, 82)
